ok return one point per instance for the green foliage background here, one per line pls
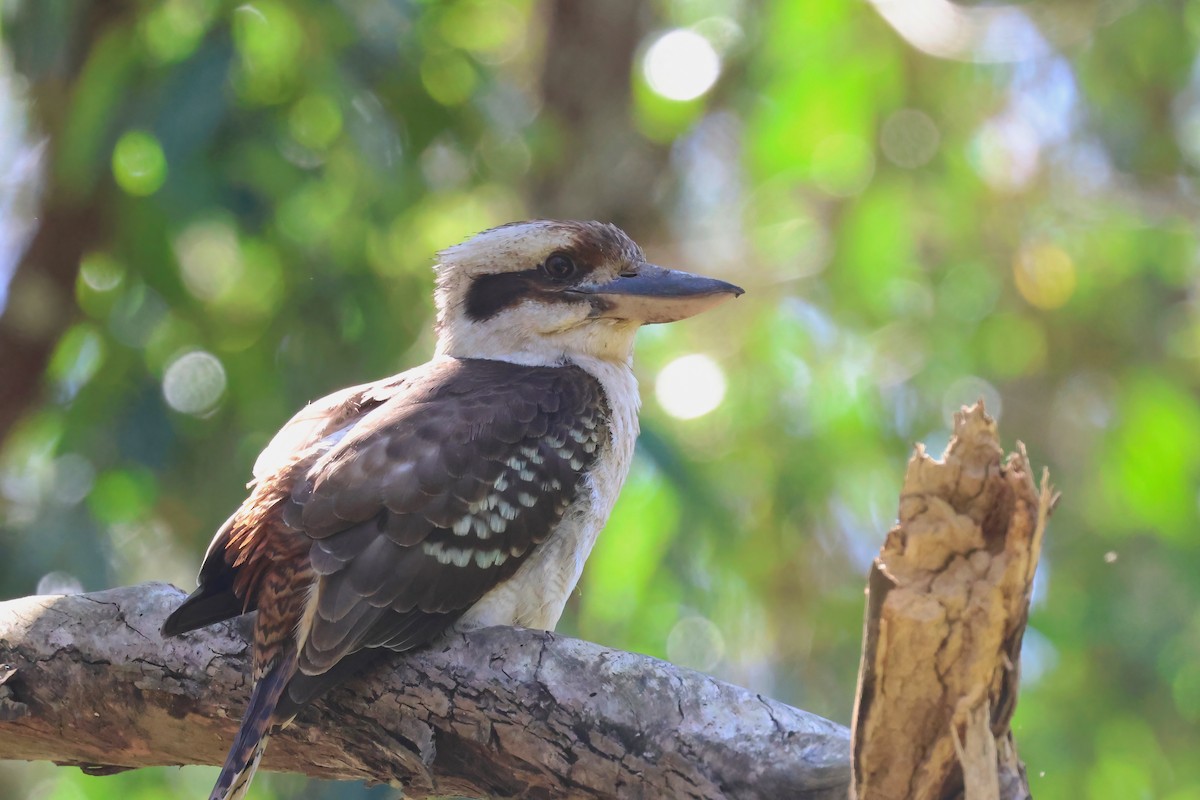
(919, 220)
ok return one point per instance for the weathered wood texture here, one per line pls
(496, 713)
(948, 599)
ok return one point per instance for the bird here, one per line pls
(463, 493)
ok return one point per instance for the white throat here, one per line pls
(510, 337)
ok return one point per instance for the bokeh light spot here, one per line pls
(1007, 153)
(101, 272)
(74, 476)
(690, 386)
(269, 39)
(138, 163)
(209, 258)
(194, 382)
(449, 78)
(681, 65)
(1045, 275)
(315, 121)
(490, 29)
(58, 582)
(696, 643)
(909, 138)
(77, 358)
(171, 30)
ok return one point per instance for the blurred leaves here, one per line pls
(255, 193)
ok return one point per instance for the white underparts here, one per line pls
(536, 595)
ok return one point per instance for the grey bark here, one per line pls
(87, 680)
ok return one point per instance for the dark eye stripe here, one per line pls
(491, 294)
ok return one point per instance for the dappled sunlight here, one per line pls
(173, 29)
(315, 121)
(33, 480)
(696, 643)
(101, 273)
(194, 382)
(690, 386)
(269, 41)
(209, 258)
(1045, 275)
(987, 33)
(681, 65)
(76, 360)
(909, 138)
(1007, 153)
(138, 163)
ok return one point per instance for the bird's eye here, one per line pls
(559, 266)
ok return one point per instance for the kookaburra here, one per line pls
(463, 493)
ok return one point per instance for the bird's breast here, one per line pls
(537, 593)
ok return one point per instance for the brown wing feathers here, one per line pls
(381, 514)
(439, 490)
(438, 500)
(241, 548)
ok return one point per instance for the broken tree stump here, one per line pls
(948, 601)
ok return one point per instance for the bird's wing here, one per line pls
(322, 422)
(313, 431)
(437, 496)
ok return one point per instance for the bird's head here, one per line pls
(551, 292)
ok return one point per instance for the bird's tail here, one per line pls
(233, 785)
(254, 732)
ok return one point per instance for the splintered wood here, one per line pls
(948, 599)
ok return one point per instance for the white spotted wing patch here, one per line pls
(436, 497)
(465, 556)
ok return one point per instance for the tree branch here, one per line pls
(86, 680)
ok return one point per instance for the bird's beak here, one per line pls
(656, 294)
